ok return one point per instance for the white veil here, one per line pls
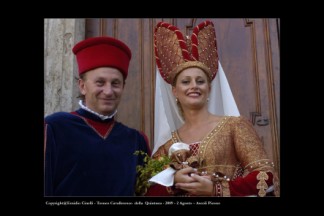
(167, 116)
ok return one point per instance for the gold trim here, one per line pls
(190, 64)
(205, 142)
(226, 190)
(259, 163)
(262, 184)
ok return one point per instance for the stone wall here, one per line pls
(60, 67)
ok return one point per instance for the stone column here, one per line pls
(60, 67)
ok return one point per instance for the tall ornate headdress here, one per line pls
(173, 53)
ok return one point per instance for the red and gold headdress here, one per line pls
(173, 53)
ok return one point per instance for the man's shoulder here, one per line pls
(127, 130)
(58, 116)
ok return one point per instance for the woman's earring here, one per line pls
(177, 100)
(207, 99)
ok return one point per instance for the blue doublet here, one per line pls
(81, 162)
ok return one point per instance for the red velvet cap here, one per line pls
(97, 52)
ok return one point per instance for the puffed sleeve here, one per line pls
(258, 170)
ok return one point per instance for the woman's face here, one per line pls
(192, 88)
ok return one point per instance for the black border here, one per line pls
(30, 182)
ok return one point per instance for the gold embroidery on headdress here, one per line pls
(174, 53)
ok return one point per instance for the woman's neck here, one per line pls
(195, 118)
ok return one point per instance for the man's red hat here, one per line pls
(102, 52)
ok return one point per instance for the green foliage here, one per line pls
(150, 169)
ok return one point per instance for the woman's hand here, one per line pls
(183, 175)
(194, 184)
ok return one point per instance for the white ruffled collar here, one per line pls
(102, 117)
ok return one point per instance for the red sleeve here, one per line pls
(248, 185)
(157, 190)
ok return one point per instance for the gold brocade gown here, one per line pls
(232, 149)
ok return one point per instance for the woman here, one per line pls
(227, 149)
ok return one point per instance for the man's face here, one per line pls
(102, 88)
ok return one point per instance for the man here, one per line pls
(87, 152)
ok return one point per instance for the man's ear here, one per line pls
(82, 86)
